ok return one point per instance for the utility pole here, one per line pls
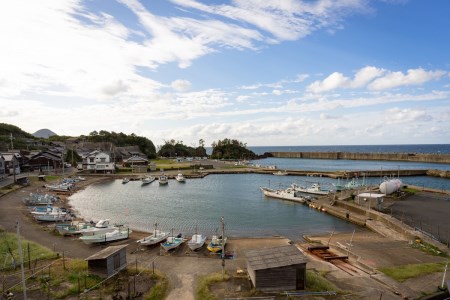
(12, 146)
(21, 262)
(223, 247)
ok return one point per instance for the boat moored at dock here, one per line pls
(287, 194)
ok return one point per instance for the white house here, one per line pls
(98, 162)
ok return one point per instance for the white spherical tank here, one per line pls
(389, 186)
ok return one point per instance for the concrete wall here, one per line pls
(413, 157)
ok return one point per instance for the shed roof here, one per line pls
(268, 258)
(107, 252)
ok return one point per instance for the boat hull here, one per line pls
(282, 194)
(196, 242)
(172, 243)
(107, 237)
(153, 239)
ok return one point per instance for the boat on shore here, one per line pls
(156, 237)
(73, 228)
(216, 244)
(313, 189)
(287, 194)
(125, 180)
(196, 242)
(117, 234)
(148, 179)
(173, 242)
(52, 214)
(101, 227)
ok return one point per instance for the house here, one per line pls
(45, 161)
(3, 174)
(123, 153)
(11, 163)
(108, 261)
(277, 269)
(98, 162)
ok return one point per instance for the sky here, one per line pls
(267, 73)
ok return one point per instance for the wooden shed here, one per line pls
(277, 269)
(108, 261)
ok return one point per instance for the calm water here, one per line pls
(201, 203)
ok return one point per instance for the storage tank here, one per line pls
(389, 186)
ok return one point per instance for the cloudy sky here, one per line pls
(286, 72)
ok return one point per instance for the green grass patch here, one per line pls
(10, 248)
(205, 282)
(315, 282)
(159, 290)
(402, 273)
(410, 191)
(428, 248)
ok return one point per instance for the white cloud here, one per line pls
(284, 20)
(412, 77)
(396, 115)
(181, 85)
(374, 79)
(334, 81)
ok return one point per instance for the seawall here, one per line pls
(411, 157)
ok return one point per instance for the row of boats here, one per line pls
(103, 232)
(163, 179)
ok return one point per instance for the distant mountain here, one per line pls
(44, 133)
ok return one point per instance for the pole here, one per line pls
(443, 278)
(21, 262)
(223, 247)
(351, 240)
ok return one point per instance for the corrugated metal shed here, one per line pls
(107, 252)
(275, 257)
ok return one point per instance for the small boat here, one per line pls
(52, 214)
(196, 242)
(180, 178)
(63, 187)
(280, 173)
(73, 228)
(118, 234)
(163, 179)
(156, 237)
(173, 242)
(216, 244)
(351, 185)
(313, 189)
(287, 194)
(100, 227)
(148, 179)
(125, 180)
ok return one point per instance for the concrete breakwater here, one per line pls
(411, 157)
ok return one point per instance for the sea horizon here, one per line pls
(382, 148)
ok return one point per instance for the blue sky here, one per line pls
(316, 72)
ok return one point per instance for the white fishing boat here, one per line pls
(148, 179)
(53, 214)
(125, 180)
(100, 227)
(280, 173)
(216, 244)
(287, 194)
(156, 237)
(163, 179)
(73, 228)
(180, 177)
(172, 242)
(63, 187)
(196, 242)
(313, 189)
(350, 185)
(118, 234)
